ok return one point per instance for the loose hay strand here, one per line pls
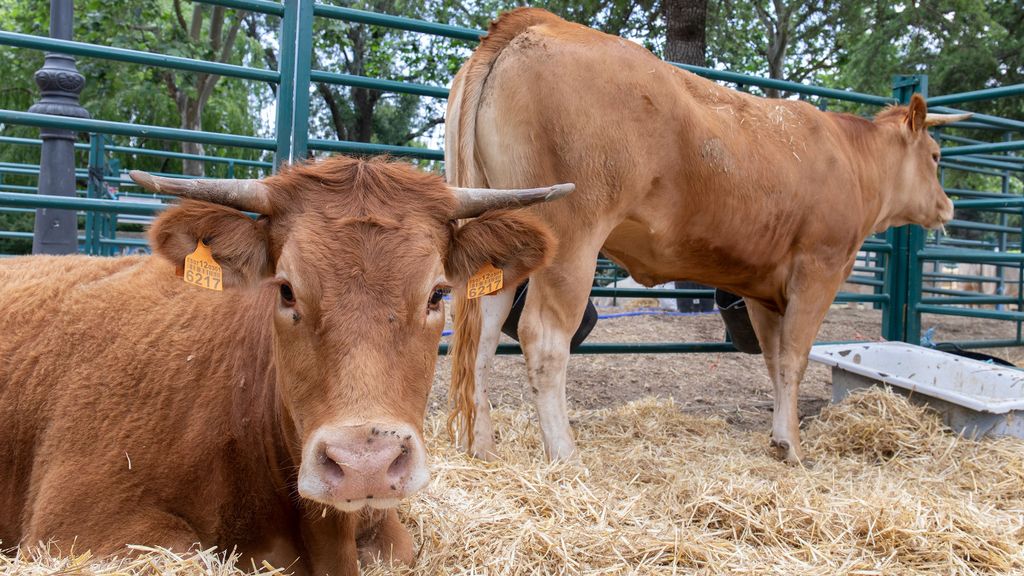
(662, 492)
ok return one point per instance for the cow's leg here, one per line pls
(800, 324)
(494, 309)
(385, 540)
(554, 307)
(768, 327)
(94, 530)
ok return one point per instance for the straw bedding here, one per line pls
(658, 491)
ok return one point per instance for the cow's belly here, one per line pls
(651, 259)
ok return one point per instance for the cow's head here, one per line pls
(352, 260)
(914, 193)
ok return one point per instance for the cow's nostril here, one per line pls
(400, 465)
(332, 468)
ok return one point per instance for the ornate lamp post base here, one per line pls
(56, 231)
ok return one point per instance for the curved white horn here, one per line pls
(251, 195)
(932, 119)
(475, 201)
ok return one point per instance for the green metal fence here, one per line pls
(904, 269)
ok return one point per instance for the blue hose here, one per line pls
(638, 312)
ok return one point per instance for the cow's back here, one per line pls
(691, 169)
(112, 373)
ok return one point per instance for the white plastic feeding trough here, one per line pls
(975, 398)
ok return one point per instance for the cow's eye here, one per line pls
(935, 157)
(287, 296)
(434, 304)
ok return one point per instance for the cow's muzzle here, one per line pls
(367, 465)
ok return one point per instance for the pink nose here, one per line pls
(366, 462)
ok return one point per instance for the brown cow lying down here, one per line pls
(283, 415)
(677, 178)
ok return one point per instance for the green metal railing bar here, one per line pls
(34, 142)
(261, 6)
(378, 84)
(989, 163)
(974, 95)
(361, 16)
(185, 156)
(970, 225)
(981, 148)
(137, 130)
(786, 85)
(974, 193)
(960, 277)
(965, 168)
(969, 300)
(147, 152)
(399, 22)
(135, 56)
(971, 312)
(370, 148)
(16, 200)
(996, 121)
(963, 140)
(968, 255)
(965, 344)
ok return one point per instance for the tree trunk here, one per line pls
(364, 101)
(191, 119)
(685, 22)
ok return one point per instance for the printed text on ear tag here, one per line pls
(202, 270)
(486, 281)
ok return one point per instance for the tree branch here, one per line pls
(206, 86)
(216, 27)
(268, 51)
(423, 129)
(180, 16)
(197, 23)
(337, 120)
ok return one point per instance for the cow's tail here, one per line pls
(462, 167)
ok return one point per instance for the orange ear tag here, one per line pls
(486, 281)
(202, 270)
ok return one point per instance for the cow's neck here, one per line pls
(875, 166)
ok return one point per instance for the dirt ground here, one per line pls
(732, 386)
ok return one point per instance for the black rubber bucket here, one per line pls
(951, 348)
(693, 304)
(738, 328)
(511, 325)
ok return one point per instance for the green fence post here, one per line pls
(95, 189)
(901, 320)
(293, 91)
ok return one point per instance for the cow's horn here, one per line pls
(251, 195)
(932, 119)
(475, 201)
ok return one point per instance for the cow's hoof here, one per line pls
(487, 452)
(783, 451)
(562, 452)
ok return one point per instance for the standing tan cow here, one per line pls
(282, 415)
(677, 178)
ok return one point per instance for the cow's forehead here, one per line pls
(369, 254)
(346, 187)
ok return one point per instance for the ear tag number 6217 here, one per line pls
(487, 280)
(202, 270)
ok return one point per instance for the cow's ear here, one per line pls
(511, 240)
(237, 243)
(916, 113)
